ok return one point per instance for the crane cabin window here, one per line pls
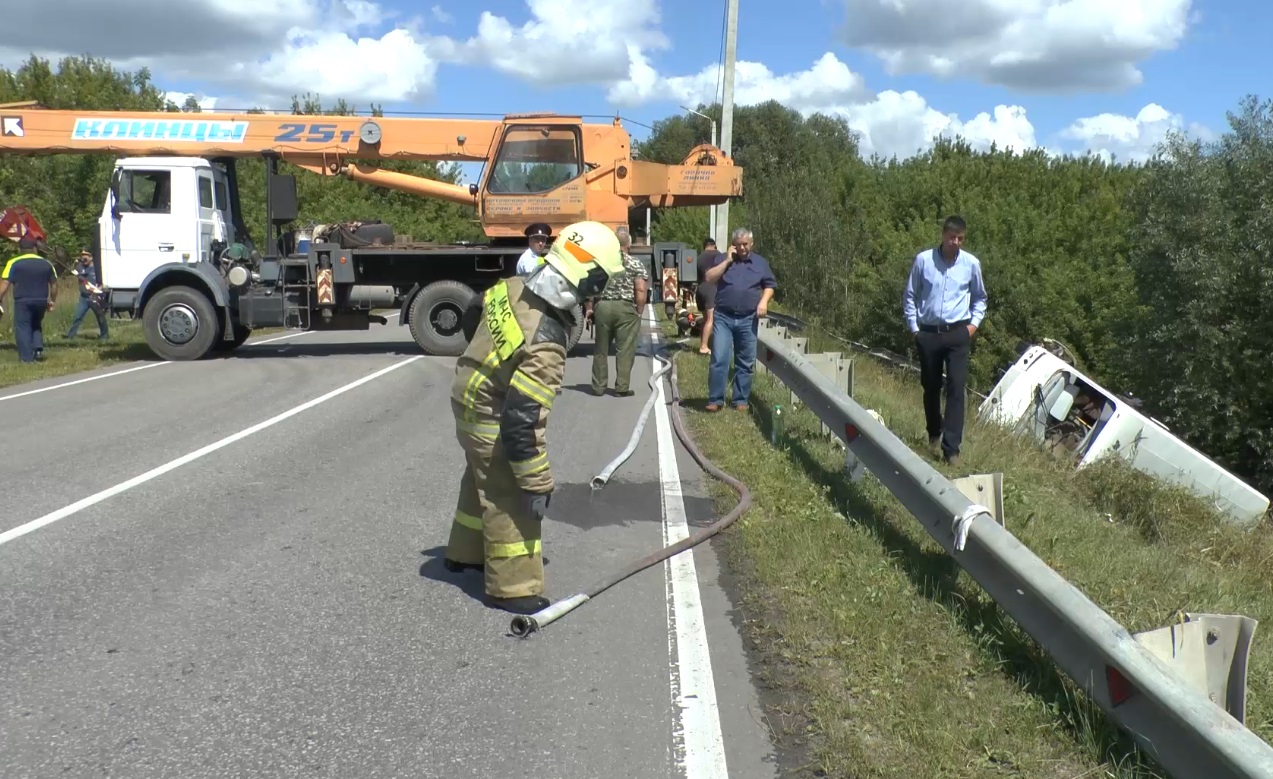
(534, 159)
(146, 191)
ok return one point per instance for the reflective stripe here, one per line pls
(528, 547)
(485, 430)
(480, 374)
(500, 320)
(469, 521)
(526, 467)
(532, 388)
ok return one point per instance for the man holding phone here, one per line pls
(744, 286)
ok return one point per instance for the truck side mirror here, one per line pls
(114, 193)
(283, 205)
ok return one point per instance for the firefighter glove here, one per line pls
(536, 504)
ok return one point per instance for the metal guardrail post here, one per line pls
(1179, 726)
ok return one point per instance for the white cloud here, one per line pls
(891, 123)
(1128, 138)
(264, 51)
(601, 39)
(1053, 45)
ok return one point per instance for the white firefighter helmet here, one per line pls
(587, 254)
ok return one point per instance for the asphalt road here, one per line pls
(231, 568)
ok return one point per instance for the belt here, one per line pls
(946, 327)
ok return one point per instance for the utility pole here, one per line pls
(712, 209)
(727, 115)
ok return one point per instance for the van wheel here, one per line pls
(180, 324)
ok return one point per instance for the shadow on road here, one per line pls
(299, 348)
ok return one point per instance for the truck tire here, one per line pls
(436, 317)
(576, 332)
(180, 324)
(241, 334)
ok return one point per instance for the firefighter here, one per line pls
(501, 397)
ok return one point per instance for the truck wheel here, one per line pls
(576, 332)
(180, 324)
(436, 315)
(241, 334)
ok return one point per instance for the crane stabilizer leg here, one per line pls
(524, 626)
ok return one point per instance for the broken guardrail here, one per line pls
(1179, 690)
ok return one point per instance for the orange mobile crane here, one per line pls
(171, 246)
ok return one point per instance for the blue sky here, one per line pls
(1196, 58)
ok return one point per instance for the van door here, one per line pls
(147, 232)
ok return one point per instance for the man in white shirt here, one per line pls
(539, 235)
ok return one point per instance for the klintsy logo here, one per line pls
(188, 130)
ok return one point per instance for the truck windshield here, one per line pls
(535, 159)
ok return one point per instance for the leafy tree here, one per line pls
(1201, 336)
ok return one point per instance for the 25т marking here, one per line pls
(299, 132)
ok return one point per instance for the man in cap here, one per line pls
(89, 292)
(504, 387)
(34, 282)
(538, 236)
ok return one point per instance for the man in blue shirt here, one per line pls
(34, 283)
(87, 275)
(944, 304)
(744, 285)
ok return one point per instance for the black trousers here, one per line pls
(949, 350)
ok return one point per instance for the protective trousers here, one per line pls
(28, 327)
(617, 319)
(492, 524)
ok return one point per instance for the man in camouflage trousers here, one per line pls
(617, 315)
(501, 396)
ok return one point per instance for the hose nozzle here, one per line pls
(525, 624)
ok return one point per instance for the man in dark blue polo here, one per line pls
(34, 283)
(744, 286)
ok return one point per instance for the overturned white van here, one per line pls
(1045, 397)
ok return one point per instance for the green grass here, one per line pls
(897, 662)
(84, 353)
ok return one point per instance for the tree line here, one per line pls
(1153, 274)
(1156, 275)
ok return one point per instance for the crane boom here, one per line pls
(539, 167)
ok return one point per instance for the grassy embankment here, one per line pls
(888, 659)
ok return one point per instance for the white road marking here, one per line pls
(131, 370)
(154, 473)
(698, 746)
(82, 381)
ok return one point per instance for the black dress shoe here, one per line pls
(525, 605)
(455, 567)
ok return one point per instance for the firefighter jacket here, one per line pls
(507, 378)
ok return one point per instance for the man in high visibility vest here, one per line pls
(501, 397)
(34, 283)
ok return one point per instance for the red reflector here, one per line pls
(769, 355)
(1119, 688)
(850, 432)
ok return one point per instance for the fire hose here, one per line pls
(523, 626)
(601, 479)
